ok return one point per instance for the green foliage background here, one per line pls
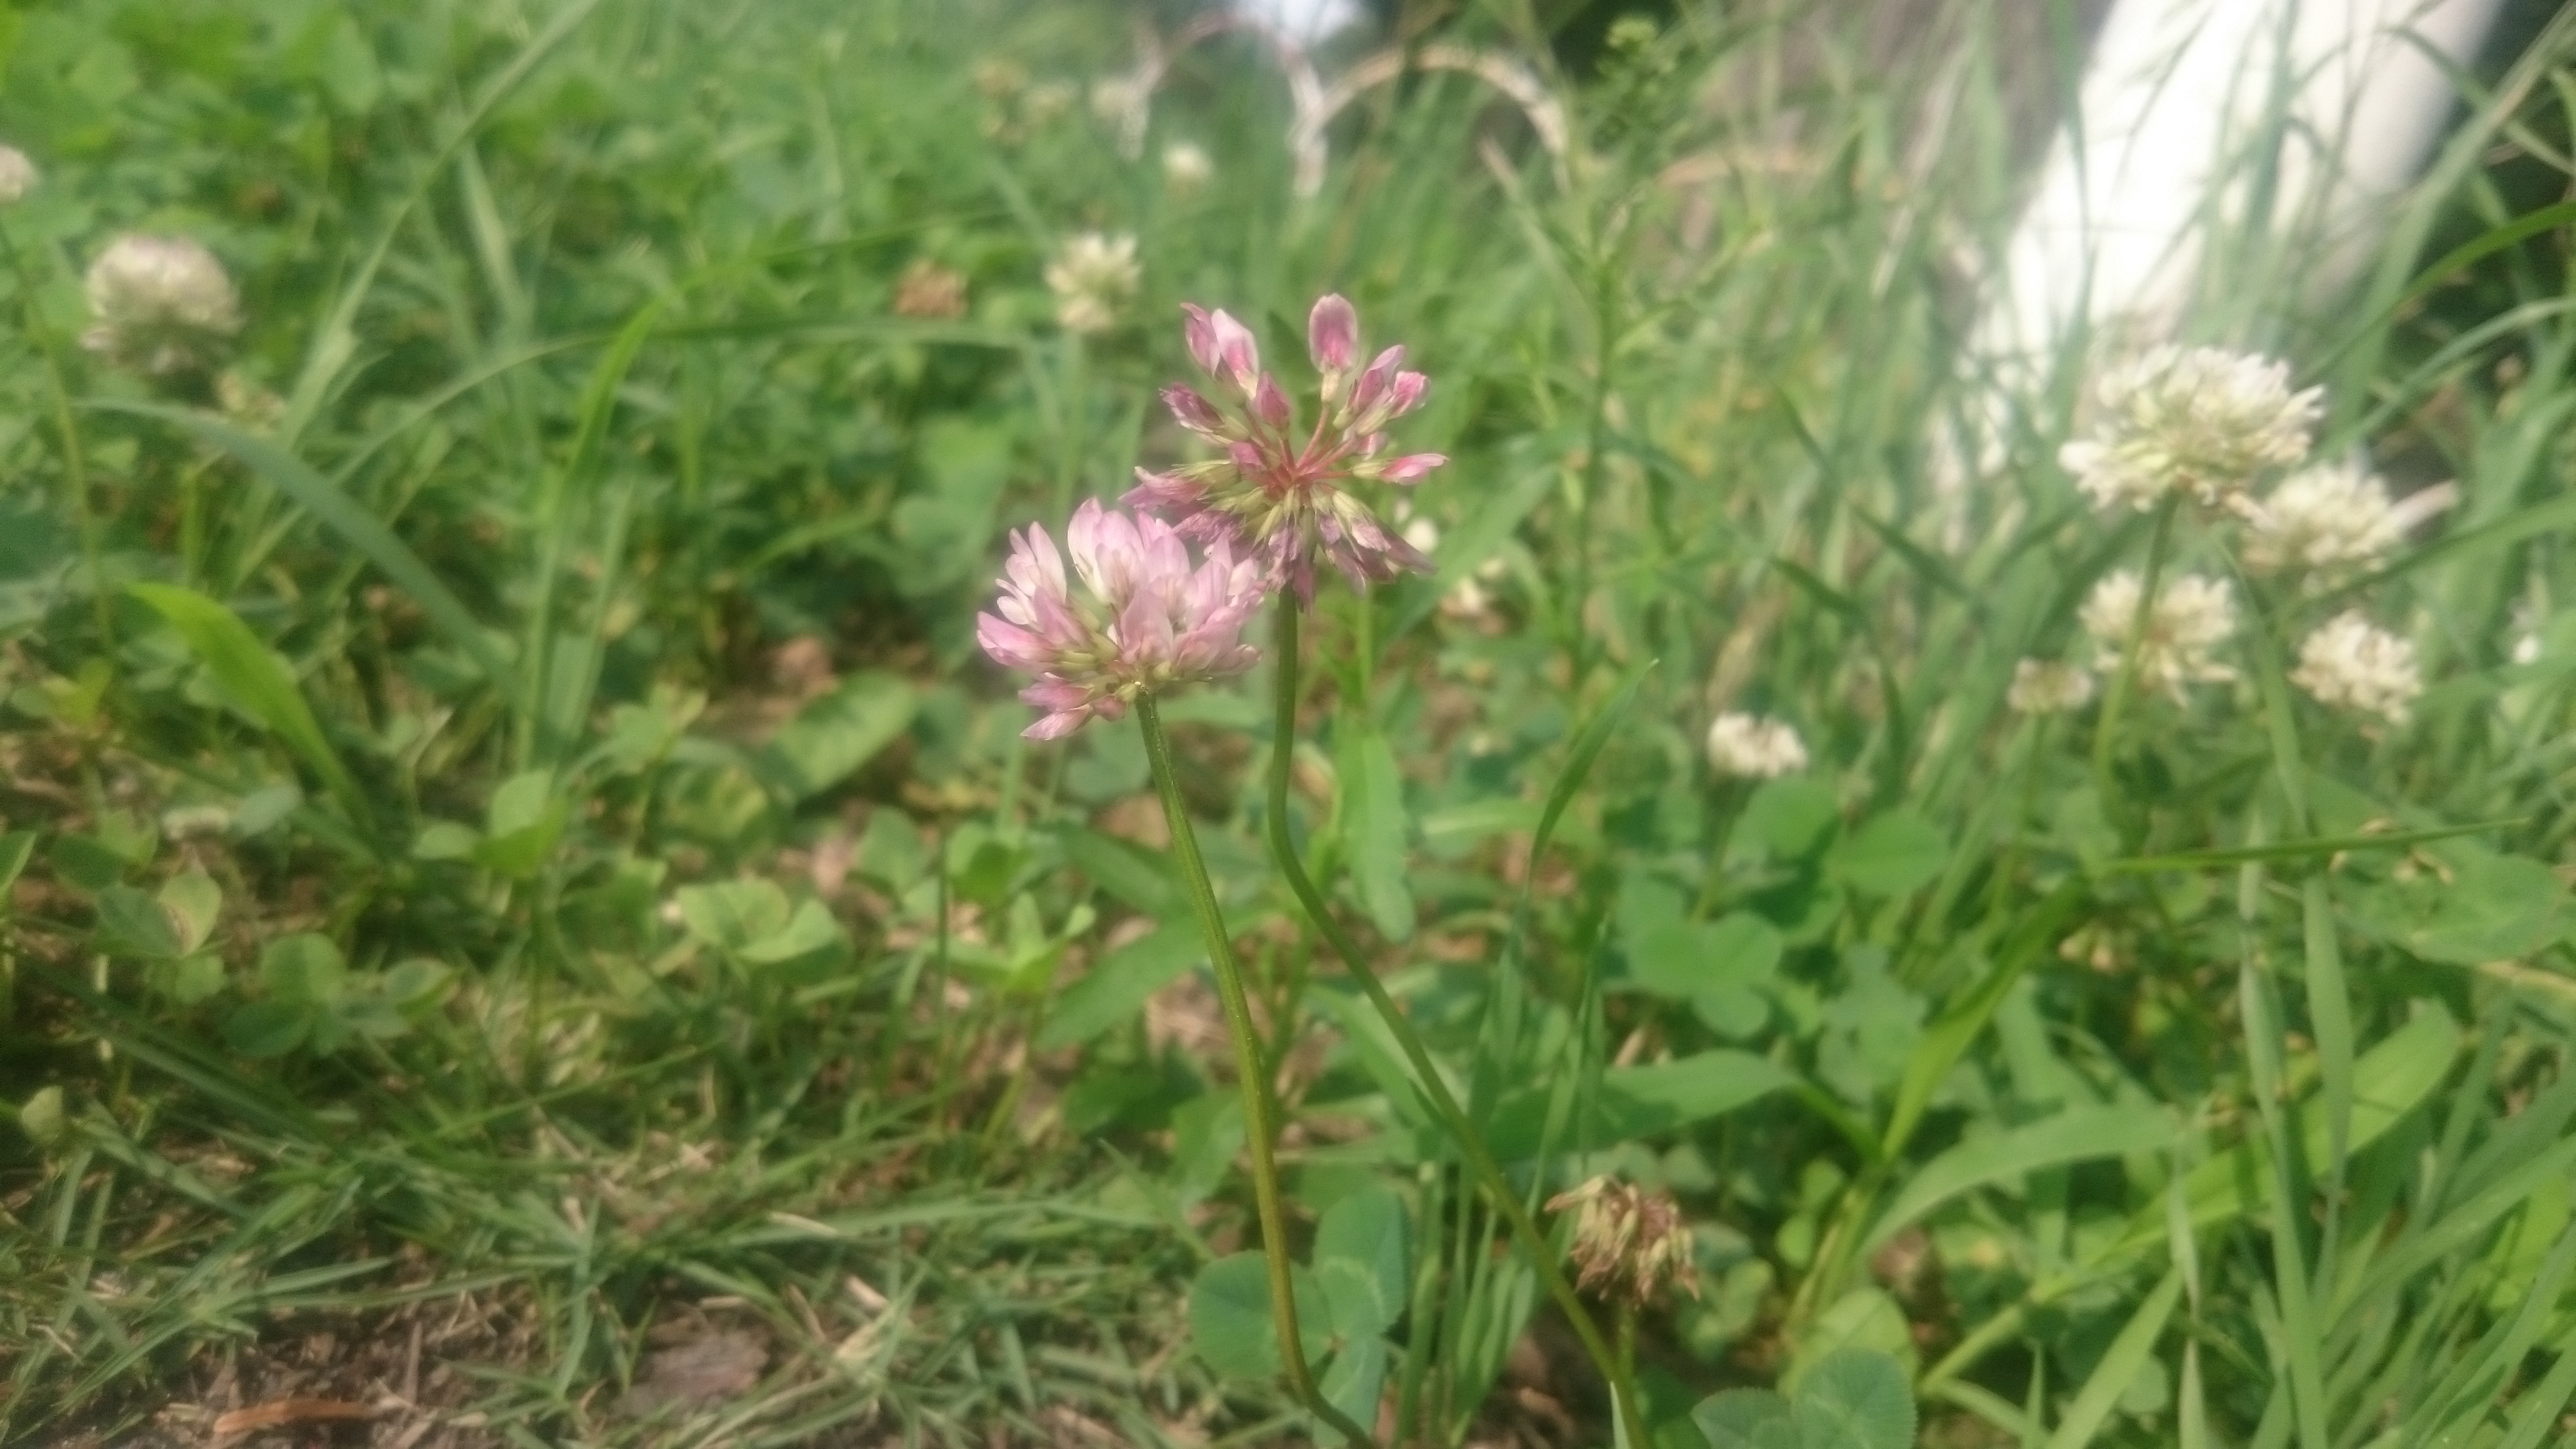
(508, 825)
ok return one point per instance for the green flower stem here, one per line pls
(1250, 1075)
(75, 462)
(1283, 854)
(2115, 699)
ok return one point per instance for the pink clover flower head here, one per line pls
(1278, 495)
(1145, 620)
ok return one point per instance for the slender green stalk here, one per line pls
(1489, 1175)
(2115, 699)
(75, 462)
(1250, 1075)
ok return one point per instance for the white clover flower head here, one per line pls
(1093, 276)
(2322, 520)
(2191, 616)
(160, 304)
(1187, 167)
(2046, 686)
(2351, 663)
(2200, 421)
(1750, 747)
(17, 175)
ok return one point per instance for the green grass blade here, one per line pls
(2111, 1377)
(359, 528)
(253, 675)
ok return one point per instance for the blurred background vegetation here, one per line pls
(528, 913)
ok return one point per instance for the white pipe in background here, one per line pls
(2112, 241)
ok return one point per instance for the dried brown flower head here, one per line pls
(1628, 1242)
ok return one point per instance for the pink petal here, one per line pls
(1412, 467)
(1010, 645)
(1194, 412)
(1057, 726)
(1199, 331)
(1333, 333)
(1237, 349)
(1270, 404)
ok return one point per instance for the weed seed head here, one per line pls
(1147, 620)
(2191, 617)
(1273, 494)
(2201, 422)
(159, 304)
(2350, 663)
(1627, 1242)
(1749, 747)
(1093, 277)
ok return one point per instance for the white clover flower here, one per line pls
(1187, 167)
(17, 175)
(2196, 421)
(2190, 617)
(2042, 686)
(1092, 277)
(160, 304)
(1753, 748)
(2350, 663)
(2321, 519)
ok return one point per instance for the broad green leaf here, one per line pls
(1746, 1419)
(1855, 1398)
(41, 1117)
(445, 840)
(268, 1028)
(831, 737)
(1789, 816)
(521, 825)
(1139, 878)
(1360, 1262)
(305, 968)
(2078, 1134)
(1891, 855)
(192, 901)
(731, 915)
(809, 930)
(2490, 908)
(2101, 1393)
(132, 924)
(1373, 828)
(1864, 1318)
(256, 679)
(1230, 1318)
(1354, 1380)
(1117, 986)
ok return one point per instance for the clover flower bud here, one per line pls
(2200, 422)
(1333, 339)
(1151, 620)
(2349, 663)
(1627, 1242)
(2191, 616)
(160, 304)
(1273, 494)
(1749, 747)
(17, 175)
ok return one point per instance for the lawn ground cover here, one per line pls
(532, 917)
